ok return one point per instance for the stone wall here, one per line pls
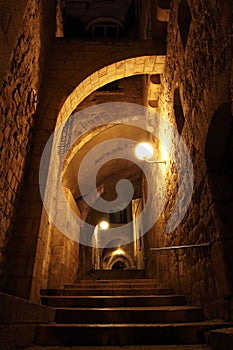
(199, 66)
(19, 320)
(64, 251)
(11, 17)
(27, 33)
(64, 262)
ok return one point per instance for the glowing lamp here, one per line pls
(103, 225)
(144, 151)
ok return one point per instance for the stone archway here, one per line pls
(74, 70)
(78, 68)
(125, 260)
(219, 159)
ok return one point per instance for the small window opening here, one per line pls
(178, 110)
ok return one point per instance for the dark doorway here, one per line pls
(118, 265)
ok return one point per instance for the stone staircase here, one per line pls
(130, 312)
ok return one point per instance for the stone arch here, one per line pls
(125, 258)
(74, 70)
(219, 160)
(94, 79)
(71, 77)
(219, 157)
(93, 82)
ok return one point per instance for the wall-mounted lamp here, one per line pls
(145, 151)
(103, 225)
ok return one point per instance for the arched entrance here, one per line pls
(118, 265)
(69, 79)
(121, 262)
(219, 159)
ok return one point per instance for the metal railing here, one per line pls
(182, 246)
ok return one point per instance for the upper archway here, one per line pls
(78, 68)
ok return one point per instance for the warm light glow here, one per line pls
(144, 150)
(164, 153)
(119, 251)
(103, 225)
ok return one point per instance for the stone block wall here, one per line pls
(200, 66)
(64, 262)
(27, 33)
(19, 320)
(11, 16)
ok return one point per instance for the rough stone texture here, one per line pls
(19, 94)
(202, 74)
(19, 319)
(11, 17)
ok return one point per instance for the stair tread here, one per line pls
(136, 325)
(137, 347)
(87, 301)
(112, 288)
(132, 308)
(154, 289)
(225, 331)
(105, 287)
(109, 285)
(122, 280)
(111, 296)
(108, 291)
(113, 282)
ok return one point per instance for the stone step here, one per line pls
(113, 301)
(115, 274)
(114, 284)
(131, 315)
(221, 339)
(115, 281)
(108, 291)
(145, 347)
(125, 334)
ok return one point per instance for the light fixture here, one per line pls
(119, 251)
(104, 225)
(144, 151)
